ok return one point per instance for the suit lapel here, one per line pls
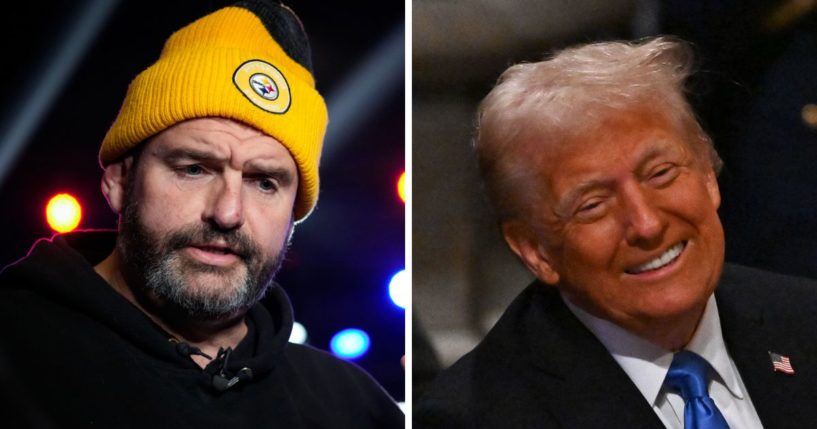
(594, 391)
(751, 331)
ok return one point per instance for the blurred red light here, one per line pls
(63, 213)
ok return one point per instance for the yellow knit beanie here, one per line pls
(248, 62)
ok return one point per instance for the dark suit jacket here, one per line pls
(539, 367)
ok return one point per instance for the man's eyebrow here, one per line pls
(282, 175)
(568, 200)
(652, 153)
(194, 154)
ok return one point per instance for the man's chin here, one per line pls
(206, 292)
(215, 286)
(202, 307)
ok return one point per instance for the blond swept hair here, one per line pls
(534, 105)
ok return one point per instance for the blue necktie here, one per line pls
(687, 374)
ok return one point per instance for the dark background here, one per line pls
(342, 257)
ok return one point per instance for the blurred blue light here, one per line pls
(398, 289)
(350, 343)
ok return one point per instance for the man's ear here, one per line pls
(525, 244)
(114, 183)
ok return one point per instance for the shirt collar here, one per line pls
(647, 364)
(708, 342)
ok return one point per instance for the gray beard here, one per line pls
(156, 265)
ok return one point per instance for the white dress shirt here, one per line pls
(647, 365)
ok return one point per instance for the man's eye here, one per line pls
(589, 206)
(590, 210)
(193, 170)
(664, 175)
(266, 185)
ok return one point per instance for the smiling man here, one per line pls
(606, 189)
(210, 163)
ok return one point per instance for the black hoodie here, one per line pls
(75, 353)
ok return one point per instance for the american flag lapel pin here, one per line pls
(781, 363)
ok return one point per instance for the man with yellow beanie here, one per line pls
(211, 161)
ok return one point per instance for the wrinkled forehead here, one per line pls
(541, 159)
(220, 138)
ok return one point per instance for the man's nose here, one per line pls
(225, 207)
(645, 223)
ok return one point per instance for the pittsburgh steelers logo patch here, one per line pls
(264, 85)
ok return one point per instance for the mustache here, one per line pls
(237, 241)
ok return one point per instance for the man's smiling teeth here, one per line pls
(660, 261)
